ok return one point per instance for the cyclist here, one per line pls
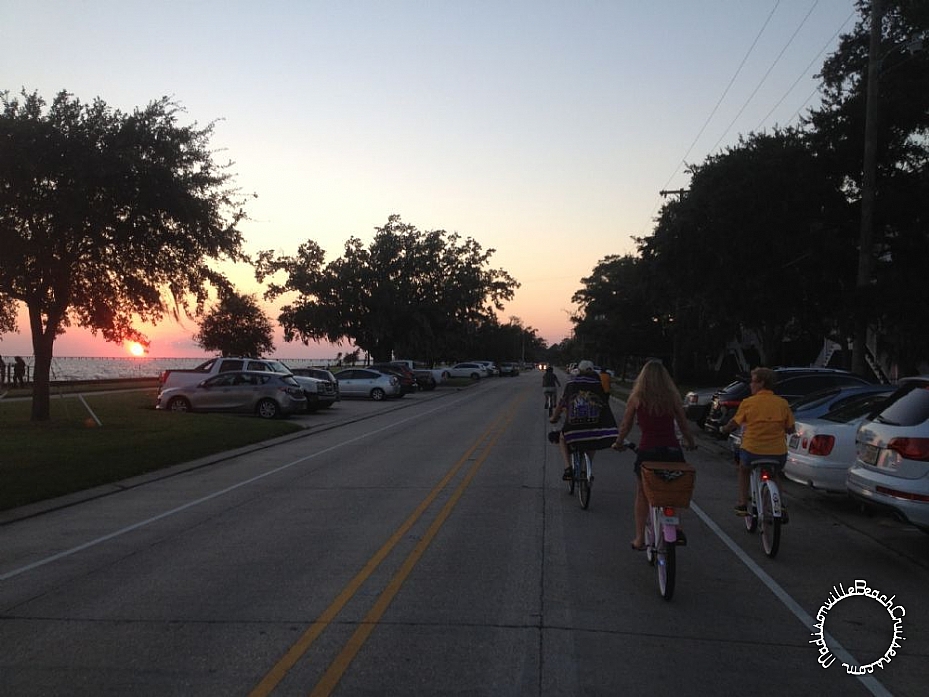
(550, 385)
(655, 403)
(765, 419)
(589, 422)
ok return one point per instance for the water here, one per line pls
(78, 368)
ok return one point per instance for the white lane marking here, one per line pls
(869, 682)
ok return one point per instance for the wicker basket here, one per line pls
(668, 483)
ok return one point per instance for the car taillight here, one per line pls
(911, 448)
(821, 445)
(729, 403)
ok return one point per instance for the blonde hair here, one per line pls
(655, 389)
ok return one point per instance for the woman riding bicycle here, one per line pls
(655, 403)
(765, 419)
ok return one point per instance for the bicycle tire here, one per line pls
(650, 538)
(770, 525)
(666, 559)
(751, 520)
(571, 480)
(583, 482)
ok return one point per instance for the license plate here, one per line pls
(868, 453)
(794, 441)
(669, 519)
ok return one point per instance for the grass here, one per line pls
(70, 452)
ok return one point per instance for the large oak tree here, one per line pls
(422, 290)
(107, 219)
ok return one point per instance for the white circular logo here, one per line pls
(860, 588)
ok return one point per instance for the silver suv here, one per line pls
(892, 465)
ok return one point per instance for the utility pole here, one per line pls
(868, 193)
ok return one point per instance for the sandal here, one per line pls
(568, 474)
(637, 548)
(741, 510)
(681, 538)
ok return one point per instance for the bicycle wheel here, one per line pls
(666, 561)
(770, 525)
(573, 473)
(751, 520)
(583, 470)
(650, 537)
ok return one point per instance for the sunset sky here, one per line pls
(544, 130)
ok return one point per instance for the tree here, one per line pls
(236, 326)
(421, 292)
(107, 218)
(889, 190)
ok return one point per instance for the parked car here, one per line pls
(822, 449)
(329, 394)
(509, 369)
(819, 403)
(425, 380)
(266, 394)
(404, 375)
(364, 382)
(792, 384)
(490, 367)
(891, 468)
(471, 369)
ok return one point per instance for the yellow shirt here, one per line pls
(765, 418)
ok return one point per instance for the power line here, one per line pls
(725, 92)
(765, 76)
(803, 74)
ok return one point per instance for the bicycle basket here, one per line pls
(668, 483)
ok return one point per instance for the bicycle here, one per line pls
(668, 486)
(582, 470)
(765, 509)
(550, 400)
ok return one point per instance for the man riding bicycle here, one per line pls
(589, 423)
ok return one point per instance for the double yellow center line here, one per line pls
(483, 447)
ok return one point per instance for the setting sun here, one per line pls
(135, 348)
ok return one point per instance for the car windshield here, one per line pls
(279, 367)
(909, 408)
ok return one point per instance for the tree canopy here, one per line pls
(107, 218)
(418, 292)
(766, 239)
(236, 326)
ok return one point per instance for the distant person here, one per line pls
(2, 371)
(19, 372)
(550, 385)
(606, 380)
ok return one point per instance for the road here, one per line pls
(427, 546)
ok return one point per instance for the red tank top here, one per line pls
(657, 430)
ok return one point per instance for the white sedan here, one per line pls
(471, 369)
(821, 451)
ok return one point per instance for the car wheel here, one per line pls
(377, 394)
(475, 376)
(267, 409)
(178, 404)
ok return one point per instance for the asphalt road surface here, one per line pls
(427, 546)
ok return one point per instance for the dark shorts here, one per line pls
(746, 459)
(662, 454)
